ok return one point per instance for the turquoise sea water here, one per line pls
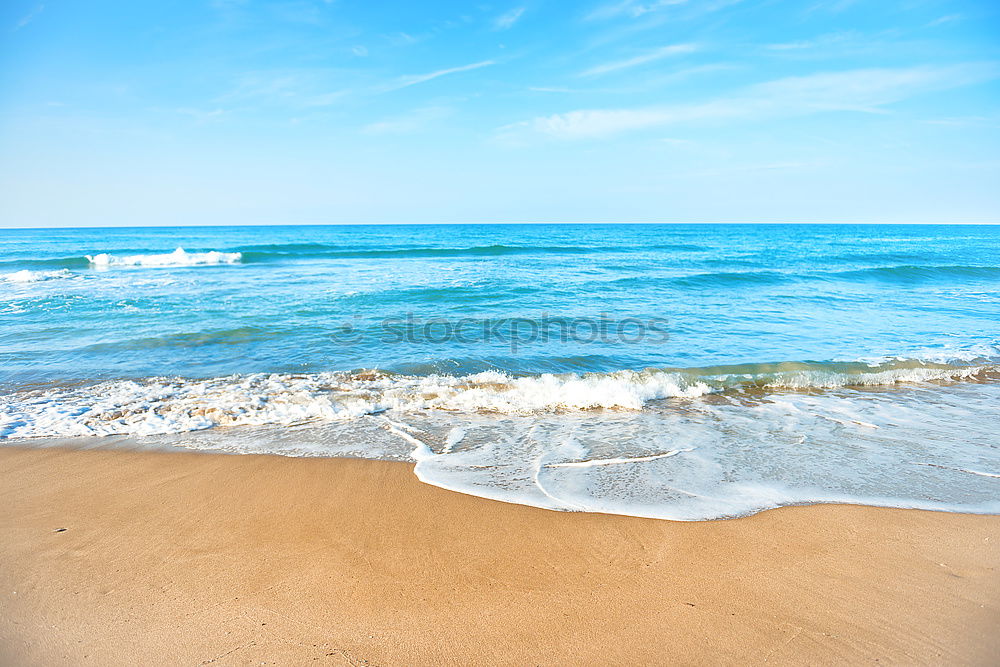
(680, 371)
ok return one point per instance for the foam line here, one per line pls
(608, 462)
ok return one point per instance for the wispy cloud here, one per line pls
(507, 20)
(553, 89)
(413, 121)
(874, 45)
(649, 17)
(414, 79)
(307, 12)
(646, 85)
(950, 18)
(403, 39)
(966, 121)
(225, 5)
(832, 6)
(866, 90)
(298, 11)
(29, 17)
(199, 115)
(295, 88)
(642, 59)
(632, 8)
(828, 39)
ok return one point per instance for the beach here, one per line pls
(624, 332)
(113, 557)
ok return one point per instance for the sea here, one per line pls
(674, 371)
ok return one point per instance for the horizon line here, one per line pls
(519, 222)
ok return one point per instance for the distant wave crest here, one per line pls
(178, 257)
(882, 274)
(26, 276)
(253, 254)
(914, 273)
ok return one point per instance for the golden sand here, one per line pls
(173, 558)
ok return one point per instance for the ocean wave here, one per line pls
(51, 264)
(726, 279)
(178, 257)
(966, 355)
(27, 276)
(279, 253)
(679, 247)
(734, 279)
(288, 248)
(185, 340)
(282, 252)
(877, 256)
(917, 273)
(174, 405)
(884, 274)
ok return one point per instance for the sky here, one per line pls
(351, 111)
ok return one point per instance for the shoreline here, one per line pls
(216, 558)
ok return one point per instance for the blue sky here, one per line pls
(315, 111)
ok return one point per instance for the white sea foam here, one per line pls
(173, 406)
(829, 379)
(971, 472)
(716, 459)
(166, 405)
(178, 257)
(945, 354)
(522, 440)
(176, 406)
(26, 276)
(617, 461)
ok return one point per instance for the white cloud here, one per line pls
(648, 57)
(29, 17)
(867, 90)
(297, 88)
(200, 115)
(508, 19)
(408, 123)
(414, 79)
(832, 6)
(403, 39)
(552, 89)
(966, 121)
(823, 40)
(359, 51)
(950, 18)
(632, 8)
(646, 85)
(593, 122)
(226, 5)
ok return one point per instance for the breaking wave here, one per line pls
(27, 276)
(176, 405)
(178, 257)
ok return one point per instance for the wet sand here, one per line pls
(118, 557)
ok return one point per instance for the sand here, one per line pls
(119, 557)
